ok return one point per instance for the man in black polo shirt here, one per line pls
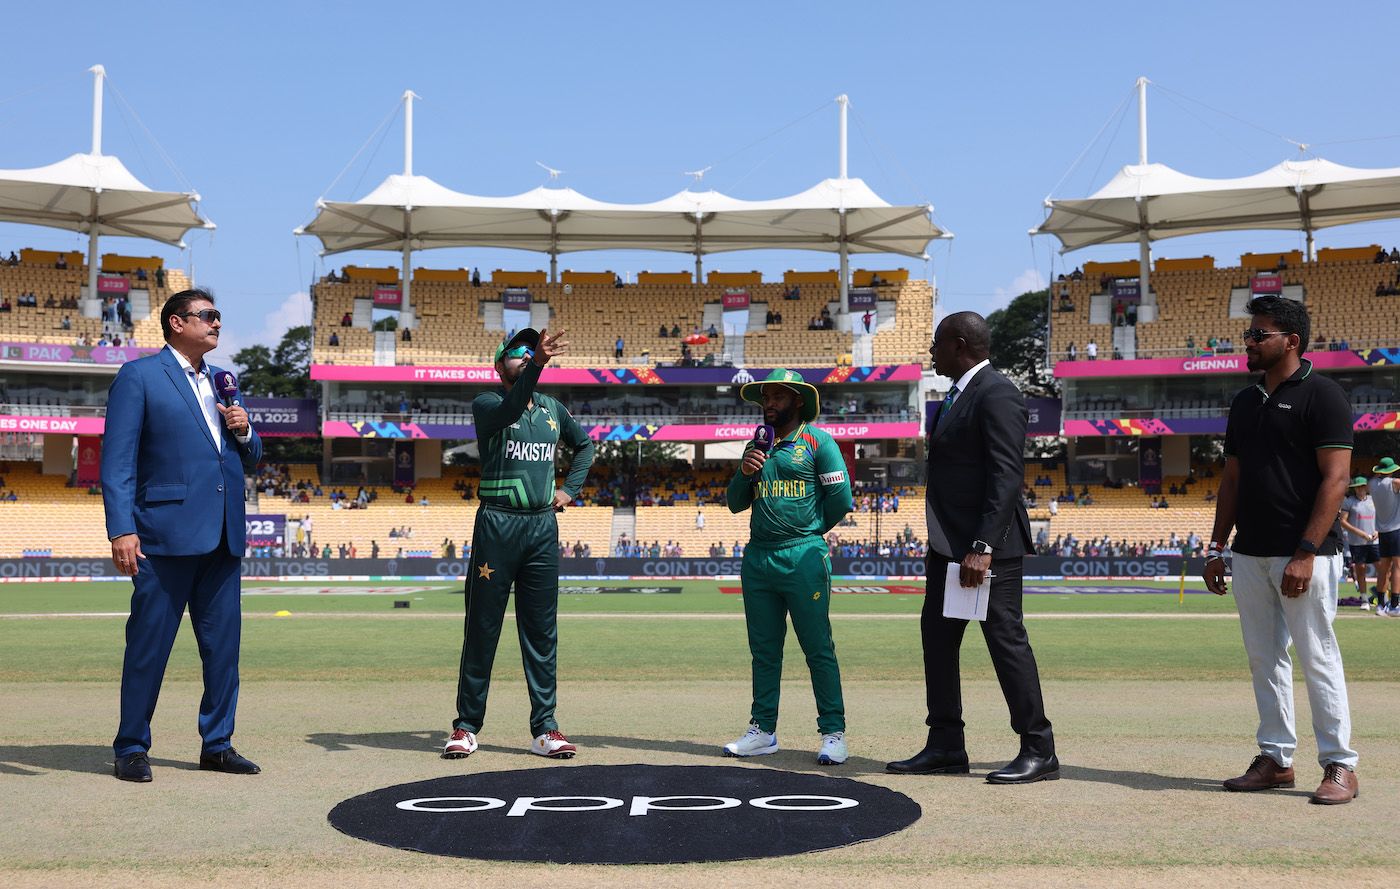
(1287, 461)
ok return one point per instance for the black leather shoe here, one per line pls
(227, 761)
(931, 761)
(1027, 769)
(133, 767)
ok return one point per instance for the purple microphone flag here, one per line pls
(763, 437)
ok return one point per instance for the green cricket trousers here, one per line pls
(791, 579)
(519, 547)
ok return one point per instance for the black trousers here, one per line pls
(1005, 632)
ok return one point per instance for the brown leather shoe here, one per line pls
(1339, 785)
(1263, 774)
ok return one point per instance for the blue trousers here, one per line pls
(164, 587)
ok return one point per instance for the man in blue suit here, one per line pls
(173, 465)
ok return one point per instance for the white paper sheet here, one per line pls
(965, 603)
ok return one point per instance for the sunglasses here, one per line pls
(518, 352)
(1259, 334)
(208, 316)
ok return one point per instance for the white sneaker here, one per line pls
(461, 745)
(755, 742)
(833, 751)
(553, 745)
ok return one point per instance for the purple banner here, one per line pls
(1266, 282)
(1127, 290)
(265, 529)
(860, 298)
(578, 376)
(515, 299)
(74, 354)
(1150, 463)
(1043, 416)
(284, 417)
(404, 475)
(387, 297)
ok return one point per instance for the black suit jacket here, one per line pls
(976, 470)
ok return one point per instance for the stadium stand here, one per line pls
(456, 323)
(53, 287)
(1343, 293)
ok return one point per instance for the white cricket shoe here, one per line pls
(461, 745)
(755, 742)
(833, 751)
(554, 745)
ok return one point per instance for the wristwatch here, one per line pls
(1307, 546)
(982, 549)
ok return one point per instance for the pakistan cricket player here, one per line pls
(798, 492)
(516, 540)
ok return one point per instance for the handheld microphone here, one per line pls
(226, 386)
(763, 438)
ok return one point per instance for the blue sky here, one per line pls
(978, 108)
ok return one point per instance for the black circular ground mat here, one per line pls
(634, 814)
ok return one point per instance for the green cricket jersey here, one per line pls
(802, 491)
(517, 445)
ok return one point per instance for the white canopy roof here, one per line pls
(87, 191)
(1165, 203)
(560, 220)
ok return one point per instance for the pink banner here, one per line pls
(701, 432)
(89, 460)
(579, 376)
(387, 296)
(113, 284)
(64, 425)
(1266, 282)
(1203, 364)
(735, 300)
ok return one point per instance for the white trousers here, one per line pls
(1268, 621)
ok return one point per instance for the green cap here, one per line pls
(811, 403)
(529, 336)
(1359, 482)
(1386, 466)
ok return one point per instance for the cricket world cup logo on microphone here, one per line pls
(763, 438)
(226, 385)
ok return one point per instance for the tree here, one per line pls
(1019, 344)
(283, 372)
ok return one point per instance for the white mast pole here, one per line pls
(843, 103)
(1144, 246)
(408, 97)
(98, 73)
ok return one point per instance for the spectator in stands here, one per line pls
(617, 348)
(866, 319)
(1072, 352)
(5, 305)
(1091, 350)
(62, 261)
(768, 317)
(66, 323)
(334, 340)
(1395, 254)
(794, 292)
(50, 303)
(1117, 355)
(675, 331)
(160, 276)
(1212, 344)
(407, 335)
(712, 332)
(1381, 255)
(476, 277)
(140, 274)
(662, 332)
(1076, 275)
(1191, 344)
(777, 319)
(13, 260)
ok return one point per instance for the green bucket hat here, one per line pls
(529, 336)
(1358, 482)
(811, 403)
(1386, 466)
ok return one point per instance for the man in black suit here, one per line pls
(975, 518)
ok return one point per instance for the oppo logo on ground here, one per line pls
(635, 814)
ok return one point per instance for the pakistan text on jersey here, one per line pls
(538, 451)
(781, 487)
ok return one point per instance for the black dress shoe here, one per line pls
(931, 761)
(227, 761)
(133, 767)
(1026, 769)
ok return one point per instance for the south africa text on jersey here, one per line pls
(780, 487)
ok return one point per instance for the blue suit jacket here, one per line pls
(162, 477)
